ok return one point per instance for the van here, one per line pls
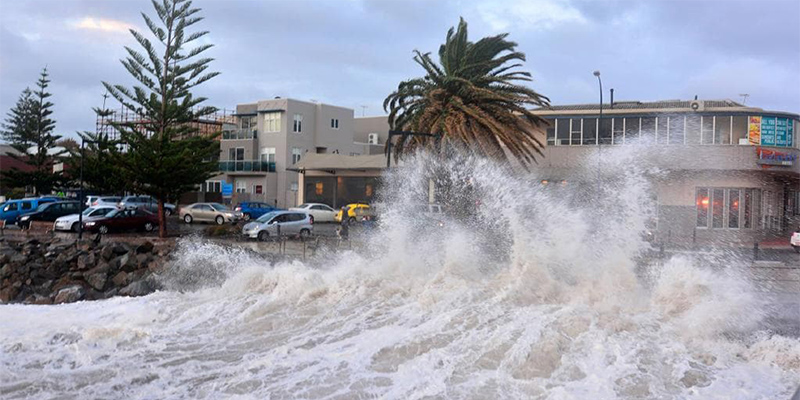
(14, 208)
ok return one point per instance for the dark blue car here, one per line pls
(254, 209)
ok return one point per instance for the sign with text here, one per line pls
(770, 131)
(227, 189)
(772, 157)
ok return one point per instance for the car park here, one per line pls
(70, 222)
(48, 212)
(253, 209)
(123, 220)
(209, 212)
(350, 212)
(320, 212)
(146, 202)
(795, 240)
(280, 223)
(12, 209)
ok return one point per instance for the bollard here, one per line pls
(755, 251)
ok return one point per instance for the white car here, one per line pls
(70, 222)
(795, 240)
(320, 212)
(109, 201)
(280, 223)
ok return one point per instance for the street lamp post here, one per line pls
(600, 118)
(80, 204)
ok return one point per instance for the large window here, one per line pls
(272, 122)
(632, 130)
(708, 130)
(694, 135)
(662, 130)
(731, 208)
(605, 131)
(213, 186)
(335, 123)
(551, 136)
(241, 187)
(618, 128)
(676, 129)
(296, 153)
(575, 131)
(589, 131)
(236, 154)
(648, 130)
(562, 131)
(297, 125)
(722, 130)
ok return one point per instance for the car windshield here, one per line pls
(88, 210)
(219, 207)
(266, 217)
(42, 206)
(113, 213)
(304, 205)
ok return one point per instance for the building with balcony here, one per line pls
(719, 171)
(271, 136)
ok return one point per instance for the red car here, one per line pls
(123, 220)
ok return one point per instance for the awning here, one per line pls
(332, 162)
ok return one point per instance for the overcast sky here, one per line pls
(353, 53)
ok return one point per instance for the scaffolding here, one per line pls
(209, 125)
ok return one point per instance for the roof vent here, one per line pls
(697, 105)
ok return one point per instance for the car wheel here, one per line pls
(263, 236)
(305, 234)
(167, 212)
(352, 220)
(219, 220)
(796, 249)
(75, 227)
(187, 218)
(103, 229)
(148, 227)
(246, 217)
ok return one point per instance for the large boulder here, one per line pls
(138, 288)
(128, 263)
(145, 247)
(96, 280)
(121, 279)
(107, 253)
(86, 261)
(69, 294)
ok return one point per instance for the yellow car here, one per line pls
(351, 211)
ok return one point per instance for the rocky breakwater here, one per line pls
(51, 271)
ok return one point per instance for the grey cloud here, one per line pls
(354, 53)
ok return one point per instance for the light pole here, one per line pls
(80, 204)
(600, 118)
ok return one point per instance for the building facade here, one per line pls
(258, 157)
(726, 172)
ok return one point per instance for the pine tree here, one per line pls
(29, 129)
(155, 161)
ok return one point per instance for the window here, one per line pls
(236, 154)
(318, 188)
(268, 154)
(676, 125)
(662, 130)
(272, 122)
(619, 132)
(576, 131)
(10, 207)
(297, 125)
(702, 202)
(335, 123)
(293, 187)
(248, 122)
(648, 130)
(708, 130)
(551, 136)
(632, 130)
(722, 130)
(693, 133)
(562, 131)
(241, 187)
(733, 208)
(717, 207)
(213, 186)
(258, 189)
(605, 131)
(295, 155)
(26, 205)
(589, 131)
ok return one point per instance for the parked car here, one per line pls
(209, 212)
(149, 203)
(290, 223)
(49, 212)
(253, 209)
(123, 220)
(320, 212)
(351, 212)
(112, 201)
(795, 240)
(12, 209)
(70, 222)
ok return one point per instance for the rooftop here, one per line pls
(644, 105)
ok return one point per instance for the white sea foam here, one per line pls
(539, 297)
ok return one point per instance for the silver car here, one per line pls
(147, 202)
(280, 223)
(209, 212)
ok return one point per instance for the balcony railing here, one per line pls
(240, 134)
(246, 166)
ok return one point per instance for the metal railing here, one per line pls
(240, 134)
(246, 166)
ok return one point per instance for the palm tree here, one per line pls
(472, 100)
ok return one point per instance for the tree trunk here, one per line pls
(162, 219)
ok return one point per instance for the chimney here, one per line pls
(612, 98)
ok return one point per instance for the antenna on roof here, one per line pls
(744, 97)
(363, 109)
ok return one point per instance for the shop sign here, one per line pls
(770, 131)
(772, 157)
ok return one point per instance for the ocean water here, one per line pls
(541, 294)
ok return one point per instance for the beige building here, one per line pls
(726, 172)
(258, 157)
